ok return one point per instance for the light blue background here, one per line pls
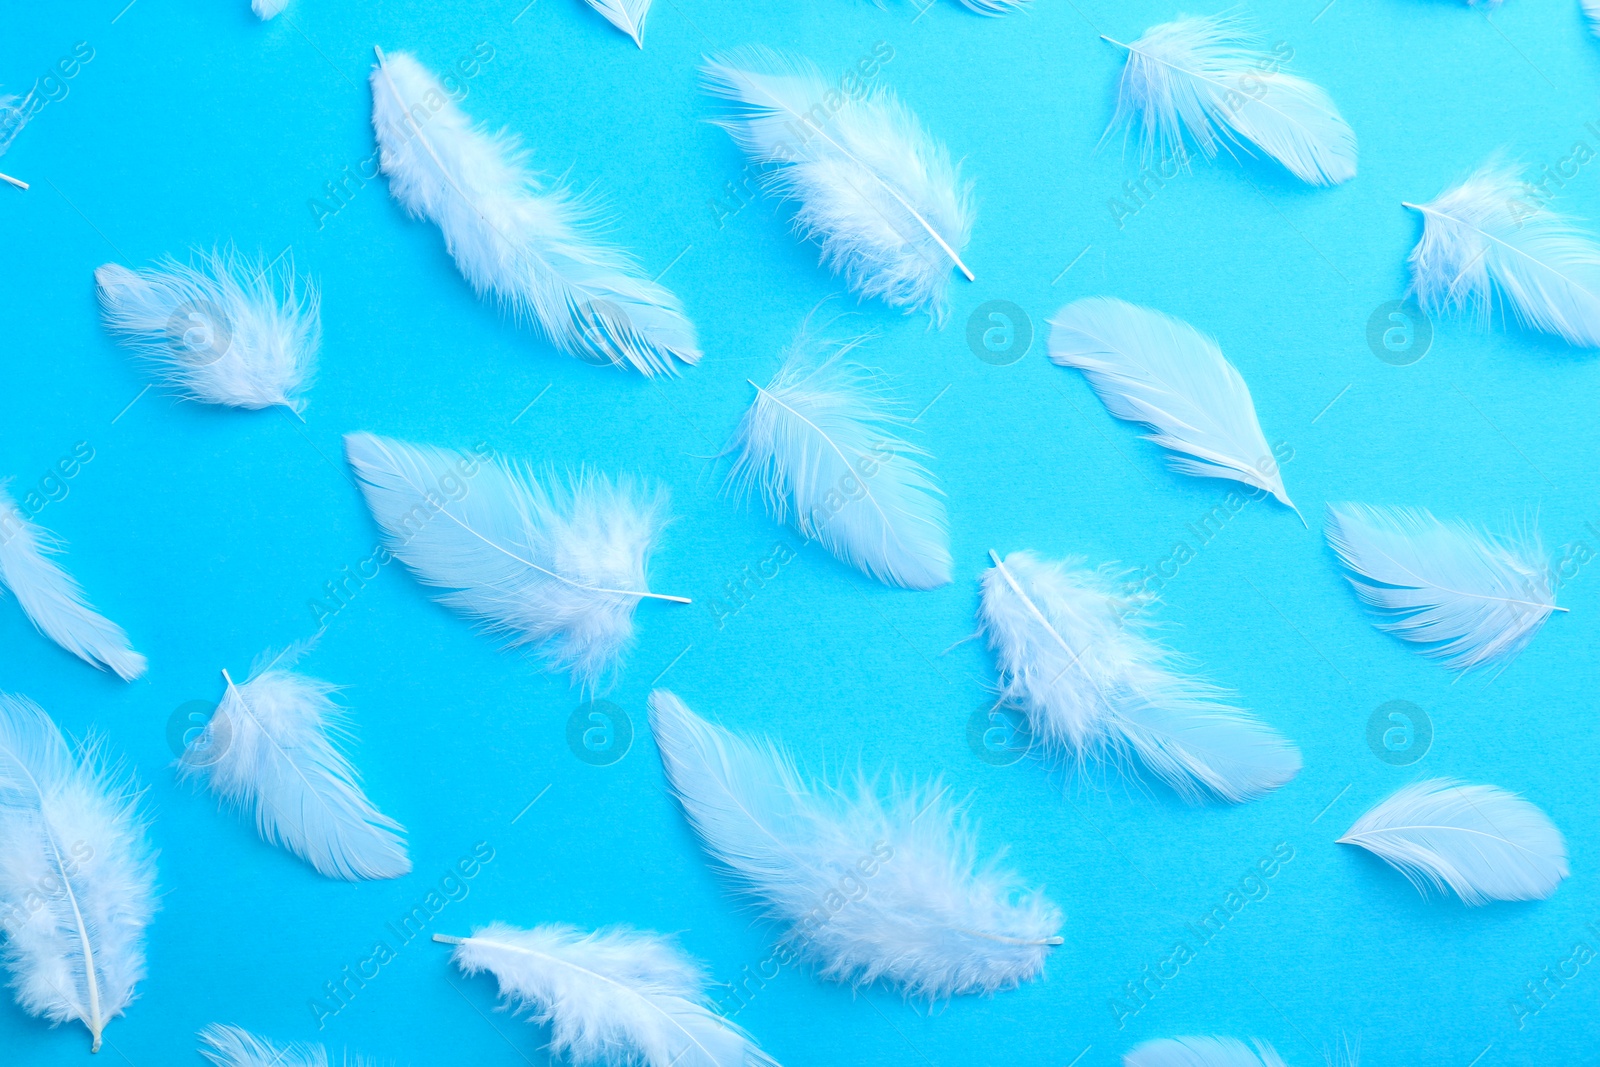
(205, 532)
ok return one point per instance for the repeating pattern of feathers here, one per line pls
(861, 888)
(1479, 841)
(527, 246)
(1202, 1052)
(625, 15)
(1204, 77)
(229, 1046)
(77, 876)
(268, 749)
(609, 997)
(1491, 236)
(556, 567)
(880, 195)
(1073, 657)
(820, 443)
(1472, 599)
(227, 330)
(53, 601)
(1151, 368)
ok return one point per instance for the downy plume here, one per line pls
(14, 115)
(1152, 368)
(862, 888)
(227, 330)
(1479, 841)
(820, 443)
(53, 601)
(229, 1046)
(77, 875)
(880, 195)
(613, 996)
(1206, 77)
(1073, 656)
(532, 249)
(1470, 598)
(1202, 1052)
(625, 15)
(540, 563)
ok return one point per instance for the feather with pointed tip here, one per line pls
(268, 9)
(612, 996)
(862, 888)
(819, 441)
(1206, 78)
(1469, 597)
(558, 567)
(53, 601)
(226, 330)
(530, 247)
(1491, 237)
(625, 15)
(268, 749)
(77, 875)
(1074, 658)
(230, 1046)
(1479, 841)
(879, 194)
(1154, 369)
(1202, 1052)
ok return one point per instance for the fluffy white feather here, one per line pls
(1201, 1052)
(613, 996)
(77, 876)
(1479, 841)
(229, 1046)
(882, 197)
(268, 9)
(861, 888)
(1152, 368)
(529, 247)
(268, 750)
(543, 564)
(1074, 658)
(53, 601)
(1491, 237)
(625, 15)
(1471, 598)
(1206, 78)
(820, 443)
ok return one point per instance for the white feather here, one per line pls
(1490, 237)
(993, 7)
(861, 888)
(625, 15)
(880, 195)
(820, 443)
(229, 1046)
(1204, 77)
(560, 568)
(267, 9)
(1591, 11)
(14, 115)
(77, 876)
(268, 749)
(1201, 1052)
(1479, 841)
(53, 601)
(1073, 657)
(225, 331)
(1151, 368)
(531, 248)
(1472, 598)
(614, 996)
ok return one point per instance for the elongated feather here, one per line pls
(1479, 841)
(1151, 368)
(1207, 79)
(229, 1046)
(861, 888)
(625, 15)
(53, 601)
(1073, 656)
(613, 996)
(529, 247)
(540, 563)
(880, 195)
(268, 9)
(820, 443)
(268, 749)
(226, 330)
(1202, 1052)
(1471, 598)
(1490, 237)
(77, 875)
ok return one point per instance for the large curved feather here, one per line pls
(861, 888)
(1479, 841)
(625, 15)
(229, 1046)
(1201, 1052)
(528, 246)
(1471, 598)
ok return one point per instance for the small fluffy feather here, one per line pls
(229, 1046)
(1201, 1052)
(226, 330)
(625, 15)
(861, 888)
